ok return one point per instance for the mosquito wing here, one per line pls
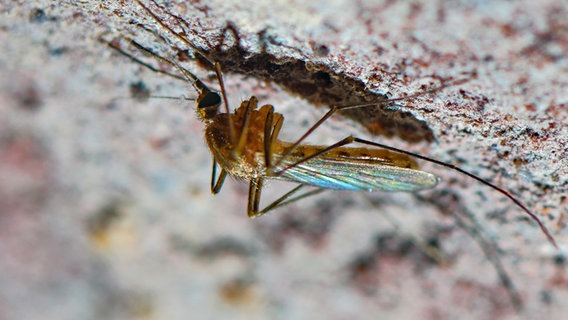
(342, 174)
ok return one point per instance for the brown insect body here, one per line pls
(250, 161)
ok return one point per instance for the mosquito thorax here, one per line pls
(208, 104)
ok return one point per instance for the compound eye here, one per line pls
(209, 99)
(208, 104)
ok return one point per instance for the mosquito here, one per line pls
(245, 145)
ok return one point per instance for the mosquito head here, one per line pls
(208, 104)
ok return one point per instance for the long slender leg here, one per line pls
(287, 198)
(341, 143)
(176, 34)
(216, 185)
(188, 75)
(305, 135)
(272, 126)
(335, 109)
(219, 74)
(268, 129)
(277, 126)
(271, 130)
(351, 139)
(255, 188)
(469, 174)
(206, 99)
(140, 62)
(213, 63)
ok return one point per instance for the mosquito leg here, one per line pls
(469, 174)
(305, 135)
(240, 145)
(341, 143)
(272, 126)
(182, 22)
(175, 34)
(351, 139)
(206, 94)
(268, 130)
(255, 188)
(216, 185)
(277, 126)
(214, 63)
(140, 62)
(287, 198)
(219, 74)
(334, 110)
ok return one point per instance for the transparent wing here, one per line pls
(331, 173)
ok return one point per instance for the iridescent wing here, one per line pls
(342, 174)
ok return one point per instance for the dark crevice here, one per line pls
(320, 85)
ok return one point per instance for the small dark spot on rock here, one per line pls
(559, 259)
(183, 55)
(38, 16)
(57, 51)
(139, 91)
(28, 96)
(546, 296)
(321, 50)
(104, 218)
(222, 247)
(237, 292)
